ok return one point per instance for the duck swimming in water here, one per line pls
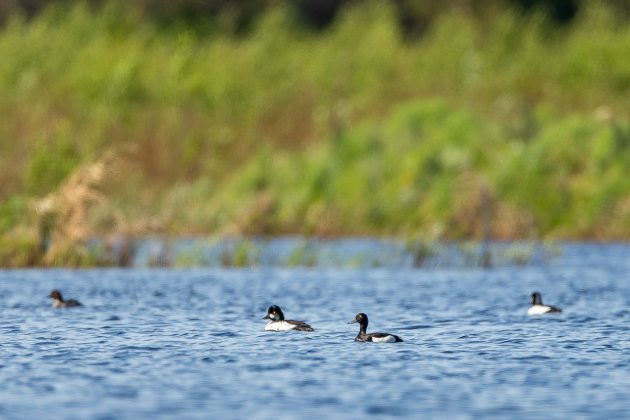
(538, 308)
(59, 302)
(376, 337)
(278, 323)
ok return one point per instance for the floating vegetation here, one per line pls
(421, 250)
(193, 254)
(519, 254)
(240, 252)
(303, 252)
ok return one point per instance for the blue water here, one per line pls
(164, 343)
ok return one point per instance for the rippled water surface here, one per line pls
(153, 343)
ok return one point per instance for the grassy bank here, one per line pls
(113, 125)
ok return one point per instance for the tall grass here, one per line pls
(424, 170)
(353, 130)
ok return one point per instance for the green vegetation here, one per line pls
(112, 124)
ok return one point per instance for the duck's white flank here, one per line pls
(386, 339)
(538, 310)
(279, 326)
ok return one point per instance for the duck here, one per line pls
(278, 323)
(538, 308)
(59, 302)
(377, 337)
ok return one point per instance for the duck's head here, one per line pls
(274, 313)
(361, 318)
(56, 294)
(536, 299)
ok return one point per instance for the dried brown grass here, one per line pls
(65, 215)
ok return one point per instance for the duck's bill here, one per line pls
(266, 317)
(354, 321)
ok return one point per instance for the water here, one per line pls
(161, 343)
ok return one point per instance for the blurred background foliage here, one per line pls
(311, 117)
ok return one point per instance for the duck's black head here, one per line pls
(536, 299)
(56, 294)
(274, 313)
(362, 319)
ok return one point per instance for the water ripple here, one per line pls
(164, 343)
